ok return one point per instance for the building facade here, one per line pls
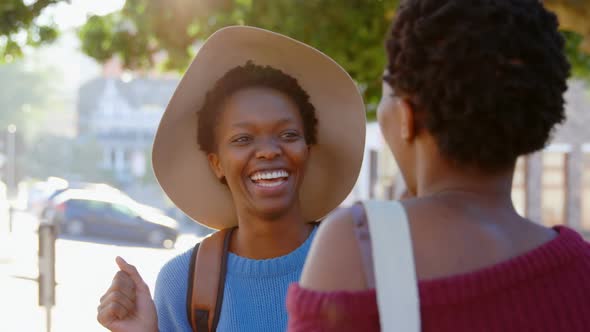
(122, 117)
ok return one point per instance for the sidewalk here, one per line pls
(5, 249)
(18, 270)
(19, 307)
(84, 270)
(18, 255)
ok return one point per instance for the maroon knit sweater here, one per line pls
(546, 289)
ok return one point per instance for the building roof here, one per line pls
(137, 92)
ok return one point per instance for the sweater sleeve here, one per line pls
(331, 311)
(170, 294)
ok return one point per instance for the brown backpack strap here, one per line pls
(209, 266)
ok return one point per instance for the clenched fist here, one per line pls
(127, 306)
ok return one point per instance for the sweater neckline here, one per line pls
(552, 255)
(277, 266)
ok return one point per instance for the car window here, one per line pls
(123, 213)
(93, 206)
(96, 206)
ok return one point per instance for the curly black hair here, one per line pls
(252, 75)
(486, 77)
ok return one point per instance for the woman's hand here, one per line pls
(127, 306)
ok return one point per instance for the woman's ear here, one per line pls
(215, 165)
(407, 120)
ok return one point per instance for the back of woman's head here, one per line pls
(485, 77)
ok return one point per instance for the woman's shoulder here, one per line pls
(173, 276)
(333, 294)
(171, 293)
(178, 263)
(335, 253)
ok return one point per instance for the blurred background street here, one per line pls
(84, 83)
(84, 269)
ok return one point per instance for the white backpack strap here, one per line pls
(395, 273)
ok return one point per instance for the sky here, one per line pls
(74, 14)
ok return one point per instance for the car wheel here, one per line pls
(74, 227)
(160, 239)
(168, 244)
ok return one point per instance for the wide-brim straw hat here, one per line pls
(183, 170)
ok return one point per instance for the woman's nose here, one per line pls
(268, 149)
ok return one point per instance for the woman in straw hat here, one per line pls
(280, 127)
(469, 87)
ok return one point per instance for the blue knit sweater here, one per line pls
(254, 297)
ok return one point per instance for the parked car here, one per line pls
(46, 202)
(39, 193)
(79, 212)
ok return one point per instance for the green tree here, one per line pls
(574, 15)
(574, 19)
(350, 31)
(19, 26)
(579, 59)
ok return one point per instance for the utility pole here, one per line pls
(47, 235)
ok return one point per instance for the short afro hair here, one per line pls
(252, 75)
(485, 77)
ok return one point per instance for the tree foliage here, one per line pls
(143, 29)
(351, 31)
(574, 19)
(19, 27)
(574, 15)
(149, 33)
(579, 59)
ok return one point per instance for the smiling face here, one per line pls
(261, 151)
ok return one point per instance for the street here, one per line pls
(84, 270)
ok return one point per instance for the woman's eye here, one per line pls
(290, 135)
(241, 139)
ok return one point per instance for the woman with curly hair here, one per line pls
(470, 86)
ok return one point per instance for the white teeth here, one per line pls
(270, 184)
(269, 175)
